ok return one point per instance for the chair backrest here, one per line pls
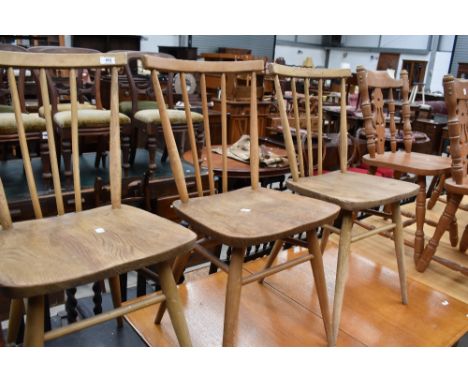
(456, 98)
(307, 75)
(73, 63)
(58, 78)
(375, 120)
(157, 65)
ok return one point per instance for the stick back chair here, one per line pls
(43, 256)
(243, 217)
(401, 161)
(456, 98)
(351, 191)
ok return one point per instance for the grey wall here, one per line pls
(260, 45)
(460, 53)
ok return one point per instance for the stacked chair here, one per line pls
(351, 191)
(47, 255)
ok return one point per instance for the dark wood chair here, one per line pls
(34, 125)
(93, 119)
(143, 110)
(401, 162)
(243, 217)
(456, 98)
(44, 256)
(351, 191)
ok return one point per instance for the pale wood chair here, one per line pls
(244, 217)
(456, 98)
(43, 256)
(422, 165)
(351, 191)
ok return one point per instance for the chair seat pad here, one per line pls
(414, 163)
(175, 116)
(67, 107)
(354, 191)
(32, 123)
(125, 107)
(88, 118)
(6, 109)
(246, 217)
(52, 254)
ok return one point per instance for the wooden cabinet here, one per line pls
(433, 129)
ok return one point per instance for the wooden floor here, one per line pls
(285, 311)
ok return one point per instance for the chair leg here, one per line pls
(420, 217)
(34, 333)
(125, 153)
(14, 319)
(177, 270)
(453, 232)
(320, 283)
(464, 240)
(445, 220)
(233, 294)
(272, 257)
(436, 193)
(341, 271)
(114, 283)
(151, 146)
(66, 153)
(400, 250)
(174, 305)
(324, 240)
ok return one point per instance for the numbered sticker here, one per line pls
(44, 135)
(464, 91)
(107, 60)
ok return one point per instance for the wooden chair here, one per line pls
(422, 165)
(244, 217)
(93, 119)
(42, 256)
(145, 114)
(351, 191)
(456, 98)
(34, 125)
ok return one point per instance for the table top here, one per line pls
(238, 169)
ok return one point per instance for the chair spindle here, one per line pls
(406, 113)
(75, 142)
(206, 126)
(320, 128)
(298, 128)
(310, 156)
(5, 216)
(224, 132)
(343, 128)
(391, 112)
(254, 159)
(115, 165)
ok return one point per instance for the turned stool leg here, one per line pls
(34, 333)
(320, 283)
(341, 271)
(420, 217)
(14, 319)
(174, 305)
(400, 250)
(464, 240)
(445, 220)
(272, 257)
(436, 193)
(324, 240)
(233, 294)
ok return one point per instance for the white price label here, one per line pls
(44, 135)
(107, 60)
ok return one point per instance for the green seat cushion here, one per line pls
(177, 117)
(67, 107)
(126, 106)
(88, 118)
(6, 109)
(32, 123)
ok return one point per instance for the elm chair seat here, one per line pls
(32, 123)
(175, 116)
(88, 118)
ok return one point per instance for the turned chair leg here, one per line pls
(151, 146)
(320, 283)
(436, 193)
(114, 284)
(445, 220)
(420, 217)
(34, 333)
(174, 304)
(400, 250)
(324, 240)
(233, 294)
(177, 270)
(464, 240)
(272, 257)
(341, 271)
(14, 319)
